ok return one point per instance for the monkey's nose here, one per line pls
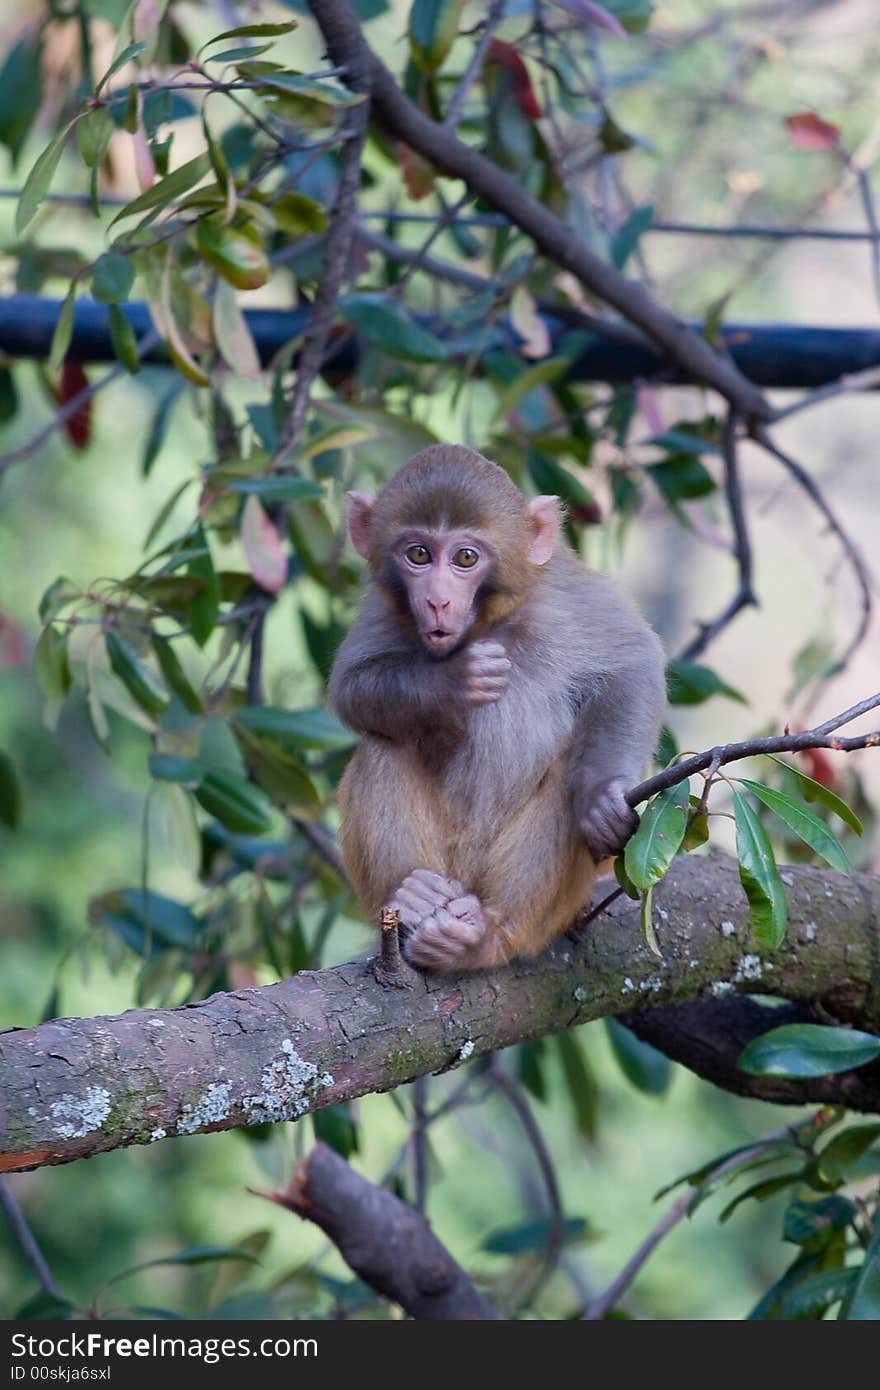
(438, 605)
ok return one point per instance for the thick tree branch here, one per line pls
(348, 49)
(75, 1087)
(388, 1244)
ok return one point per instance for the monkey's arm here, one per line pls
(616, 735)
(381, 684)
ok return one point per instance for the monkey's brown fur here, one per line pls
(506, 798)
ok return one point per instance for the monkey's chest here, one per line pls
(507, 750)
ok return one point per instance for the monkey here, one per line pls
(507, 697)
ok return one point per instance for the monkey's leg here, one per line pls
(528, 882)
(395, 836)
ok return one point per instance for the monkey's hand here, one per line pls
(606, 818)
(486, 672)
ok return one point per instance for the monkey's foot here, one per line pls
(445, 925)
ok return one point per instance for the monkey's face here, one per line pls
(442, 573)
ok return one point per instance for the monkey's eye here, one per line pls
(418, 555)
(465, 558)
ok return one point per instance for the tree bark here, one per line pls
(387, 1243)
(75, 1087)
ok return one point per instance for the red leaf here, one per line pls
(13, 649)
(264, 551)
(73, 380)
(418, 174)
(819, 766)
(505, 56)
(809, 132)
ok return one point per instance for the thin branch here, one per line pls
(515, 1096)
(745, 595)
(764, 233)
(28, 1242)
(322, 841)
(472, 71)
(606, 1301)
(848, 715)
(552, 236)
(386, 1243)
(751, 748)
(420, 1143)
(74, 406)
(337, 250)
(853, 554)
(866, 380)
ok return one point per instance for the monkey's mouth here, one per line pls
(439, 639)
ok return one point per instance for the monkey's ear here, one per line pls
(544, 525)
(360, 513)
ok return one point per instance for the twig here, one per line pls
(751, 748)
(472, 71)
(865, 380)
(853, 554)
(322, 841)
(73, 407)
(389, 923)
(337, 249)
(513, 1093)
(848, 715)
(28, 1242)
(601, 1306)
(420, 1142)
(386, 1243)
(744, 596)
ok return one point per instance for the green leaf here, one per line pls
(683, 442)
(647, 921)
(167, 189)
(803, 1050)
(760, 1191)
(533, 1235)
(59, 593)
(126, 56)
(52, 670)
(280, 773)
(279, 487)
(864, 1306)
(656, 842)
(147, 922)
(759, 876)
(335, 1126)
(295, 729)
(254, 31)
(844, 1150)
(156, 437)
(624, 881)
(8, 396)
(580, 1082)
(204, 607)
(690, 684)
(10, 795)
(642, 1065)
(388, 326)
(123, 339)
(433, 29)
(628, 236)
(681, 478)
(235, 802)
(143, 687)
(813, 1296)
(93, 134)
(174, 674)
(815, 791)
(37, 183)
(298, 215)
(310, 90)
(803, 823)
(21, 90)
(168, 767)
(552, 479)
(63, 328)
(807, 1222)
(112, 278)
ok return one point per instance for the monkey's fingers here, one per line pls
(488, 647)
(443, 942)
(448, 887)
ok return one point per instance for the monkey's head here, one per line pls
(453, 543)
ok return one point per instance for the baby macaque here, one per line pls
(508, 698)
